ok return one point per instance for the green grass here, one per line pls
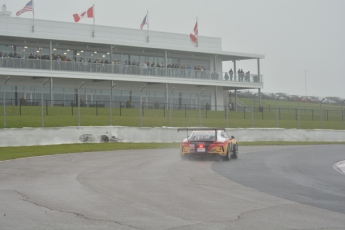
(8, 153)
(30, 116)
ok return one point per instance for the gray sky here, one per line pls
(294, 35)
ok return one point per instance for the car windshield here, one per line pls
(205, 135)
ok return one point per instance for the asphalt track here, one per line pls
(275, 187)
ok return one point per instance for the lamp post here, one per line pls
(299, 113)
(199, 107)
(253, 110)
(171, 106)
(321, 113)
(277, 111)
(4, 100)
(45, 81)
(111, 102)
(141, 101)
(305, 79)
(342, 115)
(79, 102)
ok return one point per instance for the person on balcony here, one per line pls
(247, 76)
(58, 62)
(153, 68)
(231, 73)
(145, 68)
(226, 77)
(189, 70)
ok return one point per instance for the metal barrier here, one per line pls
(33, 113)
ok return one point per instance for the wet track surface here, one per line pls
(304, 174)
(155, 189)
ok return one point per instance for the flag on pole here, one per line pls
(27, 7)
(143, 23)
(86, 14)
(194, 36)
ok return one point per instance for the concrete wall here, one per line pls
(71, 135)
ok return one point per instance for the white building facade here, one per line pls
(154, 65)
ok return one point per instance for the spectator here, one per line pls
(226, 76)
(231, 73)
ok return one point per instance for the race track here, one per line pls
(154, 189)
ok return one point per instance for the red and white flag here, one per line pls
(86, 14)
(194, 36)
(27, 7)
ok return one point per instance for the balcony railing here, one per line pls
(117, 68)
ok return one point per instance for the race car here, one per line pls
(208, 142)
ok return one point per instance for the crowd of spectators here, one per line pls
(129, 67)
(241, 76)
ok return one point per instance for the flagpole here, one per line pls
(93, 11)
(33, 17)
(197, 40)
(148, 27)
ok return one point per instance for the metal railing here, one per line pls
(120, 68)
(33, 113)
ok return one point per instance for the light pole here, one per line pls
(4, 100)
(45, 81)
(299, 113)
(321, 113)
(141, 101)
(305, 79)
(170, 106)
(342, 115)
(111, 102)
(79, 102)
(277, 111)
(199, 107)
(253, 98)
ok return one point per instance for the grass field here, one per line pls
(30, 116)
(8, 153)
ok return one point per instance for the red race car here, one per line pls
(208, 142)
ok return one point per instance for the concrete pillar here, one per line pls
(235, 71)
(166, 63)
(51, 54)
(111, 55)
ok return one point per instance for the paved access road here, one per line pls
(154, 189)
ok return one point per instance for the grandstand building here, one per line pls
(155, 65)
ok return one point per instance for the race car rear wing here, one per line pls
(196, 129)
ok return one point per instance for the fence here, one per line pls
(33, 113)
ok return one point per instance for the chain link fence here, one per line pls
(46, 113)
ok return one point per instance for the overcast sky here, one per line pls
(294, 35)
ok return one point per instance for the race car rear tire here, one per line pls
(227, 156)
(234, 151)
